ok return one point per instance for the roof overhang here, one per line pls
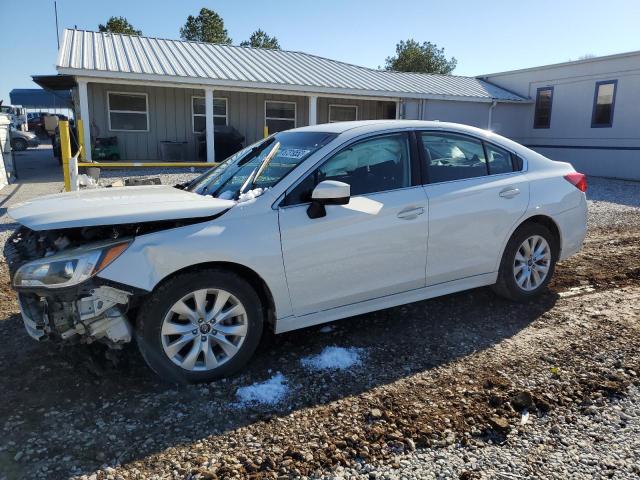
(55, 82)
(101, 76)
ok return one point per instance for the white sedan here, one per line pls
(307, 226)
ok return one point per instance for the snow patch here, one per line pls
(333, 358)
(269, 392)
(251, 194)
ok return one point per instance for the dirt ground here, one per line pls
(457, 369)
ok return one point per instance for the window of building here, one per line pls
(198, 111)
(128, 112)
(279, 116)
(544, 100)
(453, 157)
(342, 113)
(374, 165)
(603, 103)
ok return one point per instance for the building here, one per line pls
(38, 100)
(146, 91)
(586, 112)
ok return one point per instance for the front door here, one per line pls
(476, 195)
(373, 246)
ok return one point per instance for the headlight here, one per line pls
(68, 269)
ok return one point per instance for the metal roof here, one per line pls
(86, 53)
(39, 98)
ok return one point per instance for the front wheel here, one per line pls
(200, 326)
(528, 263)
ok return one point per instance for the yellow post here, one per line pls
(266, 131)
(80, 125)
(65, 151)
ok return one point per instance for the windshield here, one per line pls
(259, 166)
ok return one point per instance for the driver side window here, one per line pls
(453, 157)
(374, 165)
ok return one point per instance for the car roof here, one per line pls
(367, 126)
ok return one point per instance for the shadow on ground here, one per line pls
(86, 412)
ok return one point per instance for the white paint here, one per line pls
(86, 120)
(333, 358)
(208, 105)
(313, 109)
(116, 205)
(360, 257)
(490, 119)
(270, 392)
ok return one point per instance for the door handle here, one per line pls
(509, 192)
(410, 213)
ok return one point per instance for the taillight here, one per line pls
(578, 180)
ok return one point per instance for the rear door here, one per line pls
(476, 195)
(373, 246)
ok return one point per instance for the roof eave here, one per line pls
(306, 90)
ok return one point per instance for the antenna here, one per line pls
(55, 9)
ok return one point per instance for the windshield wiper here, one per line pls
(253, 176)
(256, 150)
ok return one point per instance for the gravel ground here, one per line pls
(440, 390)
(613, 202)
(602, 443)
(168, 176)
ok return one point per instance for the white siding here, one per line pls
(617, 149)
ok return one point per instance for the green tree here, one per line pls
(426, 58)
(208, 26)
(119, 25)
(260, 39)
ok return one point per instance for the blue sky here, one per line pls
(485, 36)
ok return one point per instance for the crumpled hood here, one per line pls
(115, 206)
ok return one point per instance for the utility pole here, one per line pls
(55, 9)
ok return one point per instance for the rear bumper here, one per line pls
(573, 229)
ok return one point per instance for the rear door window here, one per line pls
(498, 160)
(453, 157)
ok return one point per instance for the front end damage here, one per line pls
(94, 310)
(98, 314)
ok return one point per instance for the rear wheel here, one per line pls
(200, 326)
(528, 263)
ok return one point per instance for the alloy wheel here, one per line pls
(204, 329)
(532, 262)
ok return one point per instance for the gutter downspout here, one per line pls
(490, 120)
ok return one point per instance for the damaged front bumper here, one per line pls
(97, 313)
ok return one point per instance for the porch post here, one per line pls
(313, 110)
(208, 110)
(84, 115)
(398, 109)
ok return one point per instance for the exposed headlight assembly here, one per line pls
(69, 268)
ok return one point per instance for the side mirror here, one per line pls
(328, 192)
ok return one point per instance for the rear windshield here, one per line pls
(261, 165)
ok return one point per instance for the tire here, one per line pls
(173, 356)
(19, 144)
(512, 283)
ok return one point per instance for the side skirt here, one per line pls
(293, 323)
